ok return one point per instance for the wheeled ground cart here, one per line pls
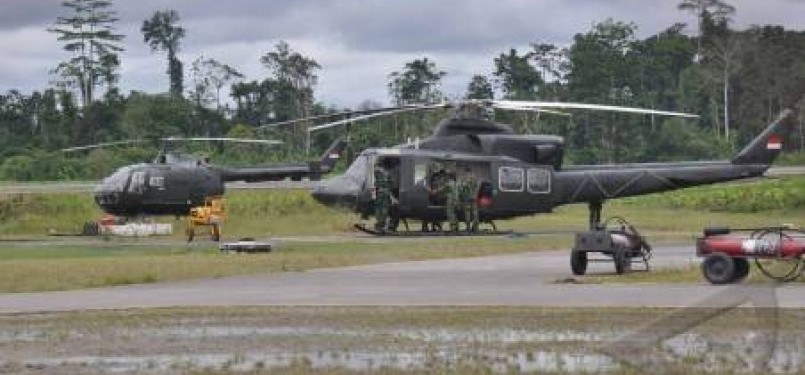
(617, 240)
(776, 251)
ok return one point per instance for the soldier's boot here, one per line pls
(380, 219)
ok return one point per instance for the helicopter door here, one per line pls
(391, 164)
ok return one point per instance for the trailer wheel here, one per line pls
(741, 269)
(622, 262)
(718, 268)
(578, 262)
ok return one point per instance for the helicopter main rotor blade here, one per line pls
(223, 139)
(377, 114)
(101, 145)
(510, 104)
(532, 109)
(343, 113)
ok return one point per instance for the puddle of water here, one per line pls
(500, 362)
(8, 337)
(505, 336)
(448, 348)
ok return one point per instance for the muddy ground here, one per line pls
(335, 340)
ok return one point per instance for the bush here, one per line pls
(782, 194)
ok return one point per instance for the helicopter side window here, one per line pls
(157, 182)
(137, 182)
(539, 180)
(420, 172)
(511, 179)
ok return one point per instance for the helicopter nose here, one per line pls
(106, 197)
(335, 192)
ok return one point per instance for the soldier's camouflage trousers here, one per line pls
(470, 211)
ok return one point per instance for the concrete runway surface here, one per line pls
(525, 279)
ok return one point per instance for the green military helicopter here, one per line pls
(524, 174)
(173, 182)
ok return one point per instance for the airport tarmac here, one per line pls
(525, 279)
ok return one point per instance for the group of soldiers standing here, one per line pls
(458, 194)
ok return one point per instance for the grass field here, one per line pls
(271, 214)
(294, 212)
(24, 268)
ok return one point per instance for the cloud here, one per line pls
(357, 42)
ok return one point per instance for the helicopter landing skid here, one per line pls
(414, 233)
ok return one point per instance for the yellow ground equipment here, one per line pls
(212, 214)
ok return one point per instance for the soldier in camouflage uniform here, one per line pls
(437, 178)
(382, 198)
(468, 199)
(450, 192)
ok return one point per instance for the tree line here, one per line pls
(735, 80)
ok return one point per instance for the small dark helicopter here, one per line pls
(524, 174)
(174, 183)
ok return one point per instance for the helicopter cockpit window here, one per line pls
(539, 180)
(511, 179)
(358, 170)
(137, 182)
(118, 180)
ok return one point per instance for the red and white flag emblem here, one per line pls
(775, 142)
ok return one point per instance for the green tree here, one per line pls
(516, 76)
(162, 33)
(296, 74)
(479, 88)
(89, 34)
(209, 77)
(418, 82)
(294, 79)
(722, 64)
(602, 71)
(553, 65)
(155, 116)
(704, 10)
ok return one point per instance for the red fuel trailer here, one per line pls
(777, 252)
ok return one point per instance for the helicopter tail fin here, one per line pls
(765, 147)
(768, 145)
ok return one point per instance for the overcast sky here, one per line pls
(357, 42)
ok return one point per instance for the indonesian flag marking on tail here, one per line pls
(775, 142)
